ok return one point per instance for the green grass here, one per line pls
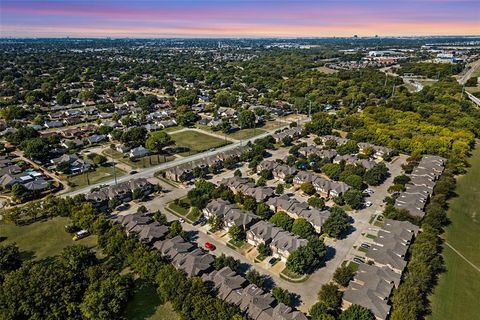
(294, 277)
(194, 215)
(147, 305)
(196, 141)
(178, 209)
(144, 162)
(246, 133)
(43, 239)
(99, 175)
(236, 244)
(172, 129)
(456, 295)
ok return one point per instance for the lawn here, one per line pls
(144, 162)
(147, 305)
(246, 133)
(43, 239)
(456, 296)
(196, 142)
(99, 175)
(326, 70)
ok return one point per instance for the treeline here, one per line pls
(431, 70)
(77, 285)
(410, 300)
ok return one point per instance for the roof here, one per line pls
(171, 247)
(264, 230)
(228, 284)
(194, 263)
(153, 231)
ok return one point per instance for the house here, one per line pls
(266, 165)
(139, 152)
(283, 312)
(194, 263)
(153, 232)
(255, 302)
(216, 208)
(323, 154)
(284, 243)
(262, 232)
(37, 185)
(238, 217)
(283, 171)
(122, 148)
(180, 173)
(379, 152)
(293, 133)
(53, 124)
(172, 247)
(96, 138)
(338, 140)
(371, 288)
(124, 192)
(228, 284)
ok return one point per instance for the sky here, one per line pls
(237, 18)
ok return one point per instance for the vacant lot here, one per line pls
(456, 296)
(196, 142)
(146, 305)
(99, 175)
(144, 162)
(42, 239)
(246, 133)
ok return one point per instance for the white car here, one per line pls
(181, 220)
(369, 191)
(368, 204)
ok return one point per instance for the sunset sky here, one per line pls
(235, 18)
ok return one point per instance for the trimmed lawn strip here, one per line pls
(100, 174)
(293, 277)
(144, 162)
(456, 295)
(43, 239)
(246, 133)
(196, 141)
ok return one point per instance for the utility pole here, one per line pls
(114, 173)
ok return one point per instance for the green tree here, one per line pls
(332, 170)
(253, 276)
(343, 275)
(302, 228)
(307, 188)
(319, 311)
(246, 119)
(282, 296)
(337, 223)
(354, 181)
(316, 202)
(158, 140)
(330, 296)
(35, 148)
(236, 233)
(264, 250)
(354, 198)
(279, 189)
(356, 312)
(283, 220)
(10, 259)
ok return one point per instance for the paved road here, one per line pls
(474, 66)
(149, 172)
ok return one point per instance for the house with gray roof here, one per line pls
(153, 232)
(262, 232)
(228, 284)
(194, 263)
(284, 243)
(255, 302)
(238, 217)
(170, 248)
(283, 312)
(283, 171)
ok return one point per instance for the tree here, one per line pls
(253, 276)
(319, 311)
(263, 211)
(105, 298)
(63, 97)
(158, 140)
(35, 148)
(356, 312)
(354, 181)
(354, 198)
(316, 202)
(307, 188)
(237, 173)
(332, 170)
(113, 203)
(337, 223)
(279, 189)
(264, 250)
(330, 295)
(10, 259)
(236, 233)
(350, 147)
(222, 261)
(176, 230)
(160, 217)
(99, 159)
(282, 296)
(302, 228)
(19, 192)
(187, 119)
(401, 179)
(261, 182)
(283, 220)
(343, 275)
(376, 175)
(307, 258)
(216, 223)
(246, 119)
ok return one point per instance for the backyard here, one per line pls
(42, 239)
(456, 296)
(196, 142)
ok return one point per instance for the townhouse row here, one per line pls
(187, 257)
(124, 192)
(422, 181)
(374, 280)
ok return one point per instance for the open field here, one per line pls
(326, 70)
(42, 239)
(146, 305)
(144, 162)
(246, 133)
(196, 141)
(100, 174)
(456, 296)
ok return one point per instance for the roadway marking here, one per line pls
(462, 256)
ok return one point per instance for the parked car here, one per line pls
(209, 246)
(272, 261)
(365, 245)
(358, 260)
(80, 235)
(181, 220)
(368, 204)
(133, 172)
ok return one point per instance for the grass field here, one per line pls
(100, 174)
(456, 296)
(196, 141)
(42, 239)
(326, 70)
(246, 133)
(144, 162)
(146, 305)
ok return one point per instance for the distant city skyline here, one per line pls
(233, 18)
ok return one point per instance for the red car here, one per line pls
(209, 246)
